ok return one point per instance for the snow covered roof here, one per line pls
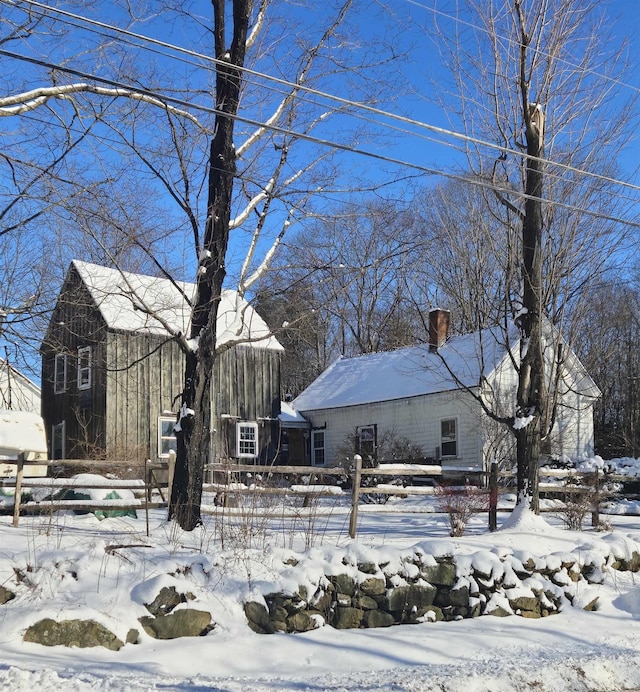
(405, 372)
(290, 418)
(138, 303)
(22, 431)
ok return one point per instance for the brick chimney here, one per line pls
(438, 328)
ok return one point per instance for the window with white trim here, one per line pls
(166, 436)
(58, 441)
(366, 442)
(317, 448)
(60, 373)
(449, 437)
(247, 440)
(84, 367)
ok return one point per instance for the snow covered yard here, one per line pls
(67, 566)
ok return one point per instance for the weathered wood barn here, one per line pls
(112, 375)
(426, 395)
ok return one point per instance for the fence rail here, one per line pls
(296, 481)
(22, 480)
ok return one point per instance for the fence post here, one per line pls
(18, 490)
(357, 475)
(493, 496)
(595, 513)
(172, 469)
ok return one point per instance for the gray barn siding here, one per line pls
(247, 388)
(75, 323)
(140, 392)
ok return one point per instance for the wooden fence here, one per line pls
(308, 482)
(142, 487)
(562, 483)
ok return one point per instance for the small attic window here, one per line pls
(60, 373)
(84, 367)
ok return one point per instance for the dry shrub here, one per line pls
(461, 502)
(581, 498)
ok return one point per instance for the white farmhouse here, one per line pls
(17, 392)
(428, 395)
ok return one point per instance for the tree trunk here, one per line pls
(193, 431)
(531, 398)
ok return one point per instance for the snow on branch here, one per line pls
(258, 24)
(33, 99)
(247, 283)
(253, 203)
(255, 136)
(311, 56)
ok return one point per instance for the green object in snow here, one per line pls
(104, 513)
(68, 494)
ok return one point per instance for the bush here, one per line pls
(461, 503)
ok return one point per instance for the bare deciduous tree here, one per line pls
(538, 81)
(225, 176)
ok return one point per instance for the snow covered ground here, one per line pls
(68, 566)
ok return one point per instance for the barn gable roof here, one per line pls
(405, 372)
(138, 303)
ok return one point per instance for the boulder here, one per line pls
(373, 586)
(321, 601)
(408, 598)
(365, 602)
(344, 584)
(592, 605)
(80, 633)
(5, 595)
(499, 612)
(166, 601)
(525, 604)
(133, 636)
(459, 597)
(378, 618)
(441, 574)
(258, 617)
(348, 618)
(188, 622)
(300, 622)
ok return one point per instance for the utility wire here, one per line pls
(285, 131)
(322, 94)
(324, 142)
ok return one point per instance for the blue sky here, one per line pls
(422, 62)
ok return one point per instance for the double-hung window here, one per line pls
(60, 373)
(84, 367)
(166, 436)
(247, 440)
(366, 442)
(449, 437)
(317, 448)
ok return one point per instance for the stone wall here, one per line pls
(426, 588)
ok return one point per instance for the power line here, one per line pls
(332, 97)
(323, 142)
